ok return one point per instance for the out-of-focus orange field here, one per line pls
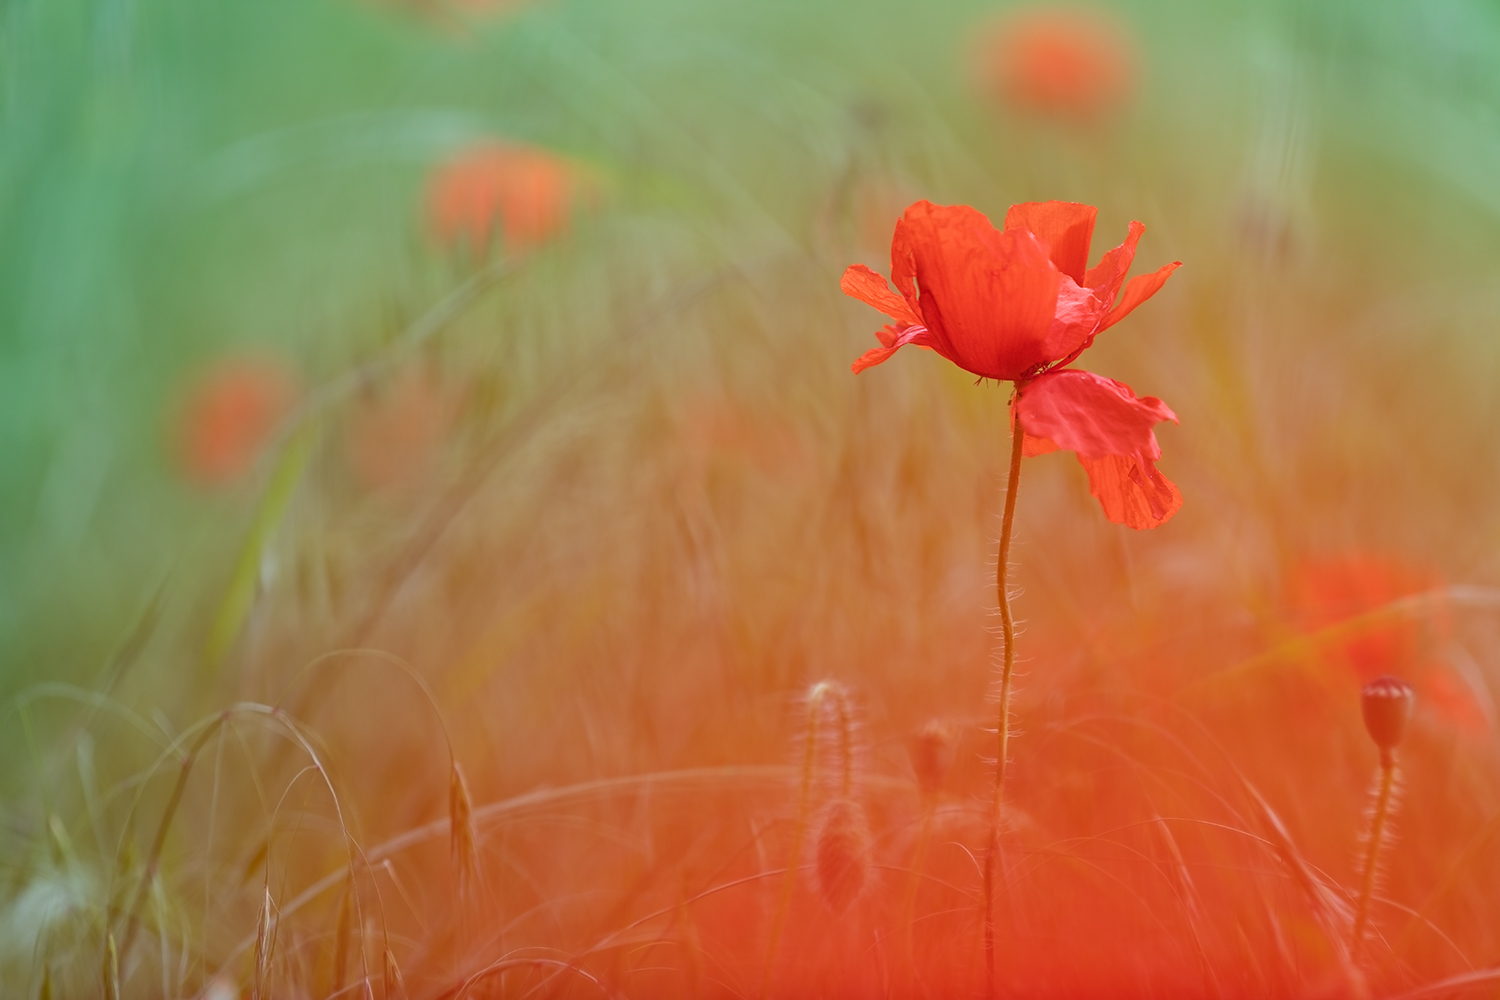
(445, 552)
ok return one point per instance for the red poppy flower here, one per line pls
(1019, 305)
(1328, 591)
(524, 192)
(1076, 65)
(229, 416)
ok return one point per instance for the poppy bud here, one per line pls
(932, 756)
(1387, 704)
(842, 863)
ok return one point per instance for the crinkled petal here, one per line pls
(904, 259)
(1141, 288)
(869, 287)
(1111, 431)
(892, 340)
(1131, 490)
(1092, 415)
(1105, 279)
(988, 297)
(1065, 226)
(1031, 444)
(1075, 321)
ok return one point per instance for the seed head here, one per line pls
(462, 842)
(1387, 703)
(395, 983)
(110, 972)
(843, 854)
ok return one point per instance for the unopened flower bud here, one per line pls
(932, 755)
(1387, 703)
(842, 863)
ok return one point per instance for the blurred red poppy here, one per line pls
(524, 193)
(1075, 65)
(228, 417)
(1328, 591)
(1019, 305)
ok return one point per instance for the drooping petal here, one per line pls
(1032, 446)
(1131, 490)
(867, 286)
(1092, 415)
(1111, 431)
(988, 297)
(1065, 226)
(1141, 288)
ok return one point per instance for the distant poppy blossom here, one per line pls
(522, 193)
(1019, 305)
(228, 418)
(1075, 65)
(1328, 591)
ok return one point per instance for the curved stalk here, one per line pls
(1372, 850)
(1008, 630)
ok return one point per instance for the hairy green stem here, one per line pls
(1008, 630)
(1372, 850)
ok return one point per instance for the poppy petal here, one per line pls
(1111, 431)
(1075, 322)
(1065, 226)
(1131, 490)
(1141, 288)
(869, 287)
(871, 358)
(904, 257)
(988, 297)
(892, 340)
(1031, 444)
(1105, 279)
(1092, 415)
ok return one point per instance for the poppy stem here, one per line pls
(1008, 630)
(1372, 849)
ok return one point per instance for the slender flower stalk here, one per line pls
(932, 756)
(1002, 726)
(1020, 304)
(820, 693)
(1372, 849)
(1387, 706)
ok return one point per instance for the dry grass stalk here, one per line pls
(341, 935)
(110, 970)
(462, 839)
(395, 986)
(265, 946)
